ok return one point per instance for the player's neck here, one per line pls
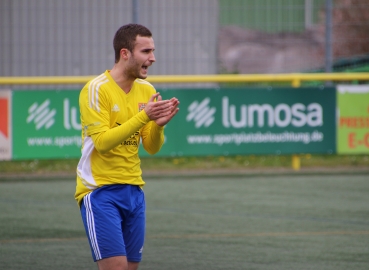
(118, 75)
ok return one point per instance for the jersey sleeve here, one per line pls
(94, 110)
(152, 137)
(107, 140)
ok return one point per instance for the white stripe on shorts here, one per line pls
(91, 226)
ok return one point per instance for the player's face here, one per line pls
(142, 57)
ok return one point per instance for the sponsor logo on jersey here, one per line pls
(141, 106)
(132, 139)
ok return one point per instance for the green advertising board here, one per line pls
(251, 121)
(353, 119)
(46, 124)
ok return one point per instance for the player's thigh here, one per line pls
(134, 227)
(102, 223)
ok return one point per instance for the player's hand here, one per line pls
(162, 121)
(160, 108)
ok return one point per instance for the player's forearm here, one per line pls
(111, 138)
(154, 140)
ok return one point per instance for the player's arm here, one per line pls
(152, 137)
(106, 140)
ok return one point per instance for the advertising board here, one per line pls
(353, 119)
(5, 125)
(251, 121)
(219, 121)
(46, 124)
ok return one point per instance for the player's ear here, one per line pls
(124, 54)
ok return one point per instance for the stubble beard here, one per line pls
(134, 69)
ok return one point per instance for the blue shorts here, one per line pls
(114, 220)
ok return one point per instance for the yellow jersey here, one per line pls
(113, 125)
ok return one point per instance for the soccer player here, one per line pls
(118, 110)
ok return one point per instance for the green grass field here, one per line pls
(235, 222)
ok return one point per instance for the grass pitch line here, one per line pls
(271, 234)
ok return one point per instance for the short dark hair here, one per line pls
(125, 37)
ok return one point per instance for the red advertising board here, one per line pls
(5, 123)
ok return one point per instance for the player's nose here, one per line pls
(152, 57)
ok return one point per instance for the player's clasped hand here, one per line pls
(161, 111)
